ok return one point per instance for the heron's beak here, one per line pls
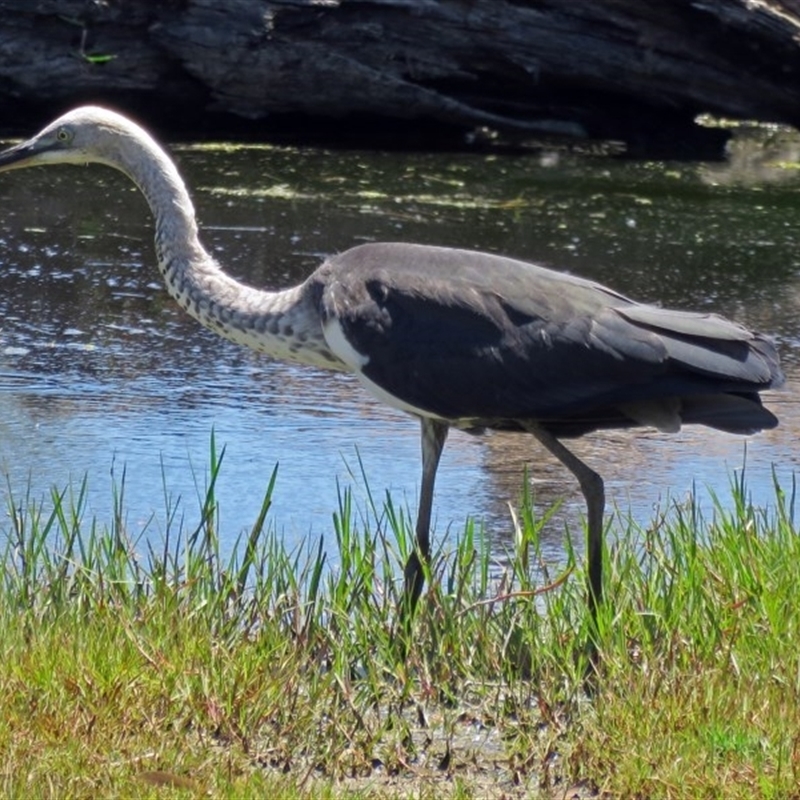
(21, 155)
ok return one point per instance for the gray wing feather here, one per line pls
(688, 323)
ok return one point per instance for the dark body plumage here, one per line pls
(486, 341)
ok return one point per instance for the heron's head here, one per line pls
(89, 134)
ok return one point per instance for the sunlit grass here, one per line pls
(159, 669)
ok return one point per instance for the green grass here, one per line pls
(162, 669)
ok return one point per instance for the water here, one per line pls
(100, 374)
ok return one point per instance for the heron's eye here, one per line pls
(62, 135)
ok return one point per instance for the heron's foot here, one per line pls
(589, 657)
(589, 654)
(414, 581)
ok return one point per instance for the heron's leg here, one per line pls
(434, 433)
(594, 494)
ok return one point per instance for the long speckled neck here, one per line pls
(284, 324)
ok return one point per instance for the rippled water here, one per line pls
(101, 374)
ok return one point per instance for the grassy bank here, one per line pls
(135, 669)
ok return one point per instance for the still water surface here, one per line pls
(101, 374)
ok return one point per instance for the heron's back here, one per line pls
(482, 340)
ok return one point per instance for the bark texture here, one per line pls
(622, 69)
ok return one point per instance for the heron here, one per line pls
(456, 338)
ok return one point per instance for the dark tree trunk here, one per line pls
(628, 70)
